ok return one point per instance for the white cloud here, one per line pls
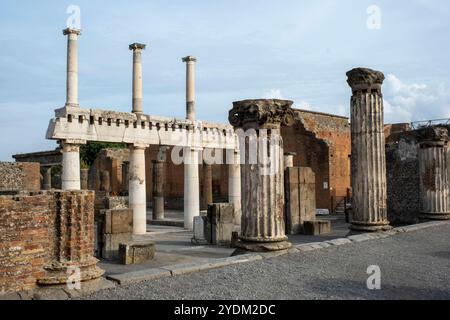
(405, 102)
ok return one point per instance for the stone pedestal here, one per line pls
(71, 166)
(234, 187)
(207, 198)
(263, 227)
(137, 190)
(158, 190)
(434, 166)
(191, 187)
(368, 162)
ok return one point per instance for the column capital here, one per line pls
(189, 59)
(68, 31)
(137, 46)
(365, 79)
(262, 113)
(433, 136)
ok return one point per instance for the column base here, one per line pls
(434, 216)
(370, 227)
(57, 272)
(158, 208)
(263, 246)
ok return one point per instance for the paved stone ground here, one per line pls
(414, 265)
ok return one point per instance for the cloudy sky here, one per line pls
(293, 49)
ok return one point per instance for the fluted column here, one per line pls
(434, 165)
(234, 186)
(70, 179)
(137, 190)
(72, 66)
(137, 76)
(262, 172)
(369, 208)
(190, 87)
(191, 187)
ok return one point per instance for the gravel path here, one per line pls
(414, 265)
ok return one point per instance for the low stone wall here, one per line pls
(43, 234)
(403, 181)
(20, 176)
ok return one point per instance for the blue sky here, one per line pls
(291, 49)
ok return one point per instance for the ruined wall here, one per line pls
(43, 233)
(20, 176)
(110, 160)
(323, 143)
(403, 180)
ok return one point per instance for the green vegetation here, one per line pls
(90, 151)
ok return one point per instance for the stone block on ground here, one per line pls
(136, 252)
(199, 231)
(111, 242)
(117, 221)
(317, 227)
(219, 224)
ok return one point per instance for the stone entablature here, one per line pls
(78, 124)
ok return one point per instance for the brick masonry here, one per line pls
(20, 176)
(42, 234)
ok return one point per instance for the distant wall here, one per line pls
(20, 176)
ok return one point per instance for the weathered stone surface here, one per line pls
(199, 231)
(136, 253)
(20, 176)
(117, 221)
(111, 243)
(140, 276)
(219, 224)
(316, 227)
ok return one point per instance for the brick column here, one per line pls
(434, 165)
(263, 227)
(72, 66)
(369, 207)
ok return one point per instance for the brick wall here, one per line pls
(43, 233)
(20, 176)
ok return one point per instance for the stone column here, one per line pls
(434, 166)
(47, 184)
(158, 189)
(190, 87)
(71, 166)
(137, 190)
(234, 186)
(84, 177)
(263, 227)
(125, 176)
(191, 187)
(207, 198)
(72, 66)
(137, 76)
(368, 160)
(105, 181)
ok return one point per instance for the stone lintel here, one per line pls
(137, 46)
(68, 31)
(365, 79)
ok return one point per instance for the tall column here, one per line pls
(137, 76)
(263, 226)
(84, 177)
(47, 184)
(191, 187)
(158, 189)
(70, 179)
(234, 186)
(207, 198)
(72, 66)
(137, 190)
(190, 87)
(434, 165)
(368, 162)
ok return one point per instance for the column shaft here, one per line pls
(207, 198)
(137, 76)
(71, 167)
(137, 190)
(234, 187)
(47, 184)
(191, 188)
(72, 67)
(158, 190)
(190, 87)
(84, 177)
